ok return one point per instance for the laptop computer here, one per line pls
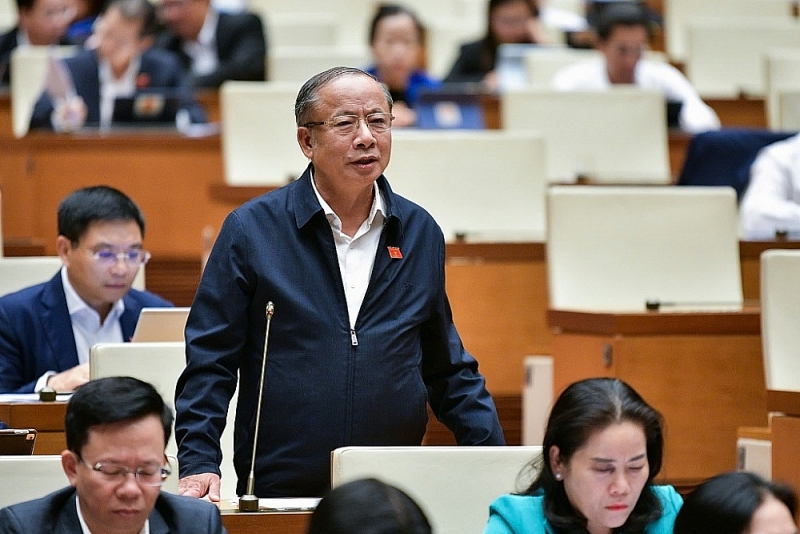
(160, 324)
(456, 106)
(147, 108)
(18, 441)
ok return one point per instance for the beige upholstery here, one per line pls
(309, 29)
(28, 70)
(161, 365)
(29, 477)
(726, 55)
(453, 485)
(579, 137)
(542, 63)
(782, 76)
(780, 308)
(455, 176)
(8, 15)
(299, 63)
(259, 134)
(678, 14)
(789, 111)
(21, 272)
(613, 248)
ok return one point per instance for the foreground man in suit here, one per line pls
(46, 330)
(117, 429)
(362, 336)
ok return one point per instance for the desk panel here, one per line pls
(703, 372)
(46, 417)
(266, 522)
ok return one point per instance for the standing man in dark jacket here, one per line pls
(362, 336)
(214, 46)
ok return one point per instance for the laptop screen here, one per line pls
(146, 108)
(450, 107)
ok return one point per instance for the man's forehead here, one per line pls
(352, 93)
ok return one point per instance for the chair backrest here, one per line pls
(678, 14)
(310, 29)
(299, 63)
(618, 135)
(723, 157)
(789, 109)
(8, 15)
(21, 272)
(780, 307)
(614, 248)
(259, 134)
(454, 175)
(29, 477)
(726, 55)
(28, 70)
(781, 76)
(453, 485)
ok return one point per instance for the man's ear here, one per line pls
(305, 140)
(63, 247)
(69, 462)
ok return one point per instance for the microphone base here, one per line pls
(248, 503)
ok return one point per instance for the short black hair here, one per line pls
(389, 10)
(368, 506)
(110, 400)
(137, 11)
(25, 5)
(98, 203)
(622, 14)
(727, 502)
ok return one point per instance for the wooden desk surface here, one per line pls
(266, 522)
(46, 417)
(787, 402)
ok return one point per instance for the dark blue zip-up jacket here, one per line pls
(326, 386)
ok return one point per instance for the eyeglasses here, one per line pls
(148, 475)
(109, 258)
(347, 124)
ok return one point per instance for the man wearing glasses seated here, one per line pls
(116, 429)
(46, 330)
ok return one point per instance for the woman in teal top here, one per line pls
(603, 447)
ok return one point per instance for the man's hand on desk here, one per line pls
(71, 379)
(200, 485)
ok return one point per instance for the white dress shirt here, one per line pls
(112, 88)
(695, 116)
(203, 51)
(356, 254)
(771, 202)
(86, 326)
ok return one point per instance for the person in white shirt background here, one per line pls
(623, 33)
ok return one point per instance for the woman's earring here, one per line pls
(558, 476)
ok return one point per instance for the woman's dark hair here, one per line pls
(389, 10)
(726, 503)
(368, 506)
(584, 408)
(489, 43)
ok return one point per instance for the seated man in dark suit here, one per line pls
(213, 46)
(119, 62)
(41, 22)
(115, 427)
(46, 330)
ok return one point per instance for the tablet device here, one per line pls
(449, 108)
(160, 324)
(144, 109)
(18, 441)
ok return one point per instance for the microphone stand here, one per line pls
(249, 502)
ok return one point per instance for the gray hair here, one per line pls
(308, 97)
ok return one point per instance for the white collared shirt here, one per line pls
(112, 88)
(22, 38)
(356, 254)
(85, 527)
(203, 51)
(86, 327)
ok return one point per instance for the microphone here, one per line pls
(656, 304)
(249, 502)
